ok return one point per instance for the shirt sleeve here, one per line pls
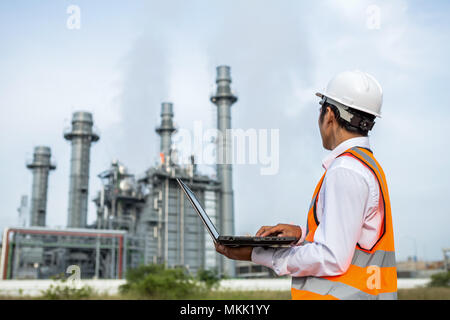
(302, 237)
(345, 195)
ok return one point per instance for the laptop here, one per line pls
(232, 241)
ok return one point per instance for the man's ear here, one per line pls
(329, 116)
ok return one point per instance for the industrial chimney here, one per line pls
(223, 99)
(166, 129)
(24, 213)
(40, 166)
(81, 136)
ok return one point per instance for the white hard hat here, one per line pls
(357, 90)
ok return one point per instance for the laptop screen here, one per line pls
(200, 210)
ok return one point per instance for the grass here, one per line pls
(403, 294)
(424, 294)
(217, 295)
(225, 295)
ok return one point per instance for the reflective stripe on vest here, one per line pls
(336, 290)
(372, 273)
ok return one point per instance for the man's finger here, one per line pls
(272, 230)
(261, 230)
(220, 248)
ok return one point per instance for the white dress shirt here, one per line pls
(349, 211)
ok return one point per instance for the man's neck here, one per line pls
(342, 136)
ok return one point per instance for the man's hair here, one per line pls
(345, 124)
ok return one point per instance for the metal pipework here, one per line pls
(166, 129)
(40, 166)
(81, 136)
(224, 99)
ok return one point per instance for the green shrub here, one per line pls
(158, 282)
(210, 278)
(59, 276)
(440, 280)
(67, 292)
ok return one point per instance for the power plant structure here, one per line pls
(81, 137)
(41, 166)
(24, 213)
(141, 219)
(224, 99)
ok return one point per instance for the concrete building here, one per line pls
(250, 270)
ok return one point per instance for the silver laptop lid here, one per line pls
(200, 211)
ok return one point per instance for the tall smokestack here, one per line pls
(24, 213)
(40, 166)
(166, 129)
(223, 99)
(81, 136)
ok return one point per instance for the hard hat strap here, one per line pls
(354, 120)
(363, 124)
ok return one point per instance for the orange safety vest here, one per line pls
(372, 273)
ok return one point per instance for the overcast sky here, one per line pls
(129, 56)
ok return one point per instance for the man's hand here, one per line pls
(280, 230)
(238, 253)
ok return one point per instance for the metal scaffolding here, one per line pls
(42, 253)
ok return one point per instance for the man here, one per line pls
(347, 250)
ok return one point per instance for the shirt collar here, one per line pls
(342, 147)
